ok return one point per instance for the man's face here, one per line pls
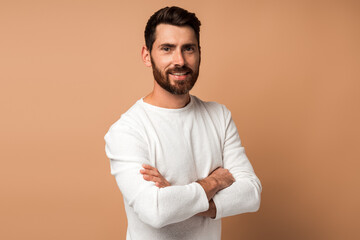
(175, 58)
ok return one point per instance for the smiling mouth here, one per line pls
(179, 74)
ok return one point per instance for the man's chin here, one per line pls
(181, 90)
(174, 86)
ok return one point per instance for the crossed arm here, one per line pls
(217, 180)
(216, 196)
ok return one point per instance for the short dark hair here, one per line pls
(174, 16)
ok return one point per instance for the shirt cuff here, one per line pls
(218, 208)
(202, 197)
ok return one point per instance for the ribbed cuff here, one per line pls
(218, 208)
(203, 198)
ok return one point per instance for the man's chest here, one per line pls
(184, 149)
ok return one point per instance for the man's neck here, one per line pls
(161, 98)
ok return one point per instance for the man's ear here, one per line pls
(145, 54)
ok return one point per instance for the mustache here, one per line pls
(179, 69)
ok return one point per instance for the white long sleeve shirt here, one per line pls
(185, 145)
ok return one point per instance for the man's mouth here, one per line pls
(180, 76)
(179, 73)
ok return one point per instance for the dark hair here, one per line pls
(174, 16)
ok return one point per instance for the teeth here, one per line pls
(178, 74)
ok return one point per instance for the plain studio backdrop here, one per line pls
(288, 70)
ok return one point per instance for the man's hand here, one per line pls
(152, 174)
(211, 212)
(219, 179)
(223, 177)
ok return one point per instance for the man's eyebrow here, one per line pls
(169, 45)
(189, 45)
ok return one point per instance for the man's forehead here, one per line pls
(167, 33)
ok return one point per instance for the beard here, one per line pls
(179, 87)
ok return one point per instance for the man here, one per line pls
(178, 161)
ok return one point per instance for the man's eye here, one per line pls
(166, 49)
(189, 49)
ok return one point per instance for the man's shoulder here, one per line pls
(130, 118)
(211, 106)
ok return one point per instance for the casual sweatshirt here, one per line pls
(185, 145)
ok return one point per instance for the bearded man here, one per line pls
(178, 160)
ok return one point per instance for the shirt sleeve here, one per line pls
(244, 194)
(158, 207)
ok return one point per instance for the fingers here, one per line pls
(159, 182)
(223, 176)
(152, 174)
(151, 178)
(148, 167)
(149, 170)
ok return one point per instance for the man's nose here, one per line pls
(178, 58)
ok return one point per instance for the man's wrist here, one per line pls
(212, 209)
(211, 212)
(210, 186)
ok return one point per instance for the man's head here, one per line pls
(173, 16)
(172, 49)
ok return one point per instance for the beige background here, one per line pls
(288, 70)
